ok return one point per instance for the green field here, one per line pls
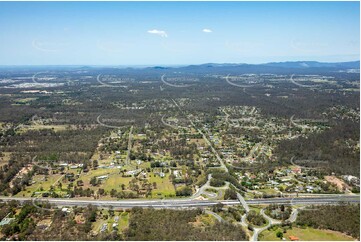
(40, 182)
(164, 186)
(115, 181)
(56, 128)
(305, 234)
(123, 220)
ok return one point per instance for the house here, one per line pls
(65, 210)
(297, 170)
(272, 182)
(70, 176)
(133, 172)
(309, 188)
(6, 221)
(285, 179)
(104, 227)
(293, 238)
(353, 180)
(102, 177)
(177, 173)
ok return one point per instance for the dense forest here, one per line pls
(344, 218)
(336, 147)
(151, 224)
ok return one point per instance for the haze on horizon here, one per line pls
(177, 33)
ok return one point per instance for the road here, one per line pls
(243, 202)
(296, 124)
(293, 215)
(127, 160)
(219, 218)
(258, 231)
(189, 203)
(301, 85)
(202, 189)
(223, 166)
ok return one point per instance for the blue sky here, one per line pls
(171, 33)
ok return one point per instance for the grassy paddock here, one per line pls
(309, 234)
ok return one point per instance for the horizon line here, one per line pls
(170, 65)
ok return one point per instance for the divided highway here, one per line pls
(188, 203)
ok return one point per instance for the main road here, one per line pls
(188, 203)
(223, 166)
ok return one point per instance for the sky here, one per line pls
(177, 33)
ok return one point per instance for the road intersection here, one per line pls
(189, 203)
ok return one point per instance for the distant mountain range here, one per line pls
(272, 67)
(287, 64)
(315, 64)
(289, 67)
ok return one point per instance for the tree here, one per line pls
(217, 182)
(93, 181)
(230, 194)
(279, 234)
(184, 191)
(218, 207)
(101, 191)
(95, 164)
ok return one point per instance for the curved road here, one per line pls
(257, 231)
(219, 218)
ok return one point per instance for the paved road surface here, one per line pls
(258, 231)
(219, 218)
(127, 160)
(204, 137)
(185, 203)
(243, 202)
(293, 215)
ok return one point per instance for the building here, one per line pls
(6, 221)
(293, 238)
(297, 170)
(102, 177)
(104, 227)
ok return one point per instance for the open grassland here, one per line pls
(123, 220)
(164, 187)
(56, 128)
(24, 101)
(115, 181)
(41, 184)
(307, 234)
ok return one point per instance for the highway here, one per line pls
(188, 203)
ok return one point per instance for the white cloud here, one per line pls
(207, 30)
(161, 33)
(48, 46)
